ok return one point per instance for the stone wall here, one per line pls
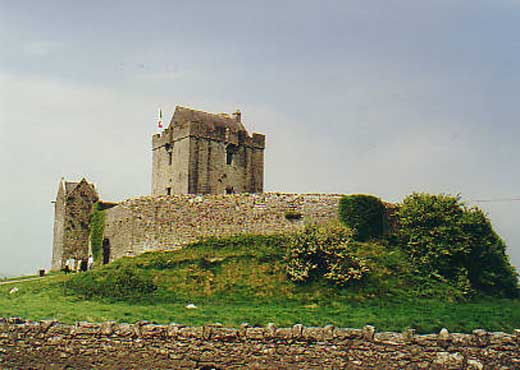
(170, 174)
(169, 222)
(210, 173)
(48, 344)
(59, 227)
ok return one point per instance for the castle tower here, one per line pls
(206, 153)
(72, 209)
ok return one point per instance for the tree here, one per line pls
(446, 240)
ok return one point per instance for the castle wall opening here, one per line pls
(106, 251)
(230, 150)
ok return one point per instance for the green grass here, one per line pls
(41, 299)
(242, 279)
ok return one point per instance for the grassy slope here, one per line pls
(242, 280)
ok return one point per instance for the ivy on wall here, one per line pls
(97, 225)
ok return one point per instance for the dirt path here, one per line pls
(21, 280)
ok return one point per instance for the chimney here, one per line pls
(237, 115)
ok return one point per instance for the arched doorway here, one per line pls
(106, 251)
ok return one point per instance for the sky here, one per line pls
(385, 97)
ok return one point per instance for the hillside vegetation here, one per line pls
(423, 275)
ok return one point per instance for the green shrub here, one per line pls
(489, 269)
(323, 252)
(454, 244)
(121, 283)
(364, 214)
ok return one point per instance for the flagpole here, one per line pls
(159, 120)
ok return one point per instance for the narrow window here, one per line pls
(169, 149)
(168, 191)
(230, 150)
(106, 251)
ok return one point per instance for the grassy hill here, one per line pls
(244, 279)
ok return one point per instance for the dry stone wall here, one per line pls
(169, 222)
(51, 345)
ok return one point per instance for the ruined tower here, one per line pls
(206, 153)
(72, 209)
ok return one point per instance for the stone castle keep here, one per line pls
(203, 153)
(207, 181)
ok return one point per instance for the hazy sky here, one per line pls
(384, 97)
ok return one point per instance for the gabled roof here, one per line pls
(70, 186)
(212, 120)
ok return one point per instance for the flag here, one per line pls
(159, 119)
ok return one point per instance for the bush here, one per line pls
(454, 244)
(489, 269)
(364, 214)
(120, 283)
(323, 252)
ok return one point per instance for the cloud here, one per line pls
(51, 129)
(383, 98)
(39, 48)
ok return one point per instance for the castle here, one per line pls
(207, 181)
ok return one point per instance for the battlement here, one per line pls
(221, 127)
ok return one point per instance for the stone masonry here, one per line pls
(205, 153)
(72, 209)
(109, 345)
(169, 222)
